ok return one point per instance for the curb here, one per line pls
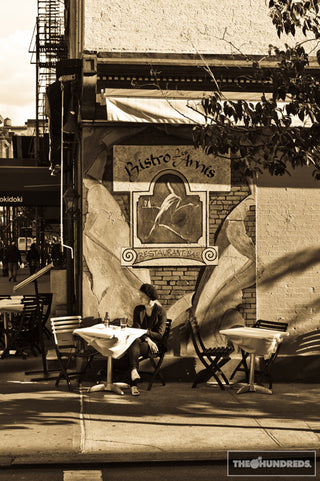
(123, 458)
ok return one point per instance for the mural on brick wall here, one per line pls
(160, 198)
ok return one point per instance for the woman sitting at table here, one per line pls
(149, 315)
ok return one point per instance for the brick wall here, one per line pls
(248, 306)
(249, 295)
(288, 252)
(250, 223)
(173, 282)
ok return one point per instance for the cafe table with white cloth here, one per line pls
(257, 342)
(8, 307)
(111, 342)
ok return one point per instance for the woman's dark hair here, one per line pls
(150, 291)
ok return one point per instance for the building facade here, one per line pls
(148, 206)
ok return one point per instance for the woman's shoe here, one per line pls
(135, 391)
(97, 387)
(135, 376)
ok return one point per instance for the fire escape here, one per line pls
(48, 47)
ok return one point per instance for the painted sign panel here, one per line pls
(169, 214)
(161, 256)
(134, 166)
(169, 188)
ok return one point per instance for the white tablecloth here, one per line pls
(109, 341)
(11, 305)
(262, 342)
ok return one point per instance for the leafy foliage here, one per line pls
(288, 15)
(283, 128)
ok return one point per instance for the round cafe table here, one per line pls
(112, 342)
(257, 342)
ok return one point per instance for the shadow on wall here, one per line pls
(178, 338)
(302, 315)
(295, 263)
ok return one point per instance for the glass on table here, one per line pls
(123, 322)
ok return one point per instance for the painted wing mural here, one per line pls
(110, 287)
(107, 286)
(220, 287)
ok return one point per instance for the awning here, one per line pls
(169, 106)
(21, 185)
(154, 106)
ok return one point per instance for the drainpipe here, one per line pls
(62, 79)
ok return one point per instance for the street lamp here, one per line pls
(70, 198)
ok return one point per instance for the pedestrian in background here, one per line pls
(3, 259)
(14, 260)
(33, 258)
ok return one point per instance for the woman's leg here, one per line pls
(137, 348)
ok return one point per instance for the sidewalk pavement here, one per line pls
(44, 424)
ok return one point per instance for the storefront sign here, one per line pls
(6, 199)
(134, 167)
(45, 198)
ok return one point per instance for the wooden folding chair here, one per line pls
(156, 360)
(46, 299)
(213, 358)
(69, 348)
(242, 366)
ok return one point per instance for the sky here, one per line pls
(17, 75)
